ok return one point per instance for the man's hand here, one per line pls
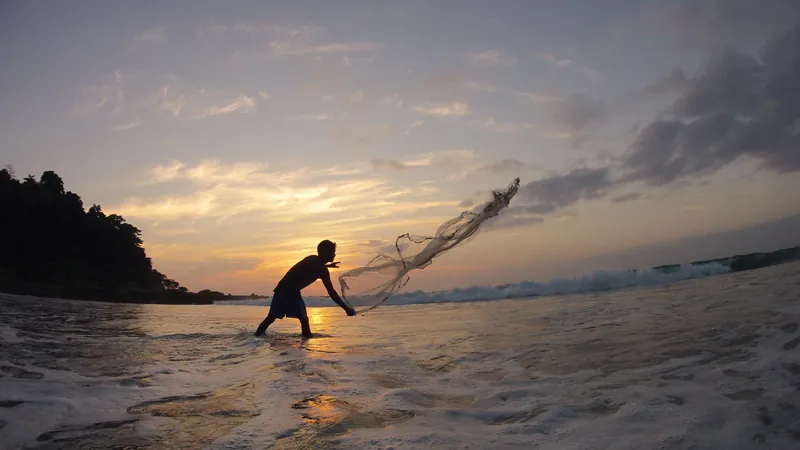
(333, 265)
(350, 311)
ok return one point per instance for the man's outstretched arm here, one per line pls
(326, 280)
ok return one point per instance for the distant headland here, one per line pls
(52, 247)
(749, 261)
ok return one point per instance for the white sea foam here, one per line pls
(8, 334)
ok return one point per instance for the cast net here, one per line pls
(371, 285)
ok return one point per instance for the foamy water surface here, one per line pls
(709, 363)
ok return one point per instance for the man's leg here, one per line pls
(264, 325)
(305, 326)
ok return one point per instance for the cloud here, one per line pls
(246, 28)
(109, 97)
(242, 104)
(127, 126)
(627, 197)
(478, 86)
(268, 28)
(163, 173)
(274, 41)
(450, 85)
(506, 165)
(90, 100)
(173, 106)
(703, 25)
(134, 98)
(739, 106)
(674, 81)
(453, 109)
(442, 159)
(414, 124)
(540, 98)
(578, 114)
(556, 135)
(312, 117)
(394, 99)
(213, 171)
(345, 199)
(540, 198)
(151, 36)
(560, 191)
(491, 58)
(287, 49)
(459, 164)
(264, 95)
(508, 220)
(380, 163)
(492, 124)
(554, 60)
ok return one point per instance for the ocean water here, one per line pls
(706, 363)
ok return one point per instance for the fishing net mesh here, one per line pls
(385, 274)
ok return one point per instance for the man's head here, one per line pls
(326, 250)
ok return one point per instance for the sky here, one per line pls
(238, 135)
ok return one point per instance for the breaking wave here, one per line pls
(598, 281)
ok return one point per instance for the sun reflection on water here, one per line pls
(317, 317)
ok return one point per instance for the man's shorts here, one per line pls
(287, 305)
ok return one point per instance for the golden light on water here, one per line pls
(316, 317)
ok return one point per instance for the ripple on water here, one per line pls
(200, 418)
(17, 372)
(326, 417)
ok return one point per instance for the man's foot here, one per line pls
(308, 335)
(261, 330)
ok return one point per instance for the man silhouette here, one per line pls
(287, 301)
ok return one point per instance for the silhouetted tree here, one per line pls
(50, 246)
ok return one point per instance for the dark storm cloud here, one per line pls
(548, 195)
(560, 191)
(731, 83)
(713, 24)
(740, 105)
(672, 82)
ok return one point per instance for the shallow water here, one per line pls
(698, 364)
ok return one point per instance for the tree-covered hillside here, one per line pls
(51, 246)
